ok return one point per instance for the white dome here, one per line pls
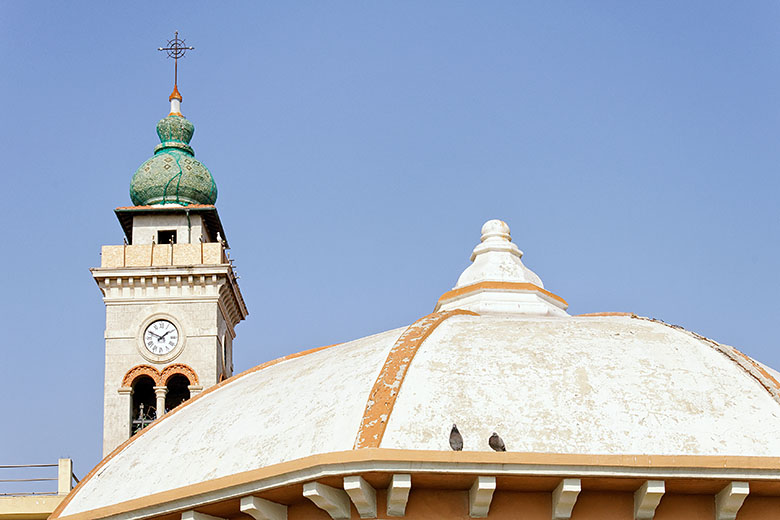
(564, 385)
(498, 354)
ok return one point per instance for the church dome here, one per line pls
(172, 174)
(498, 354)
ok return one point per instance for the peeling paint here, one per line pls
(301, 404)
(597, 385)
(600, 385)
(391, 377)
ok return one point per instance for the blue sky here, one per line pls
(358, 148)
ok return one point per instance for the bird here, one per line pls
(496, 443)
(456, 439)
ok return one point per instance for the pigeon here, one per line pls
(456, 440)
(496, 443)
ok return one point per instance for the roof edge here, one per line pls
(751, 367)
(497, 462)
(209, 211)
(188, 402)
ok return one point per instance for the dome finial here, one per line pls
(173, 175)
(496, 228)
(497, 238)
(497, 281)
(175, 99)
(175, 49)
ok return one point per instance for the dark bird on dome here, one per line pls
(496, 443)
(456, 439)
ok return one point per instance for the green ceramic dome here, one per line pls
(173, 175)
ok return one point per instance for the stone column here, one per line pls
(64, 474)
(160, 392)
(195, 390)
(127, 396)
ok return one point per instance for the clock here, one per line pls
(161, 337)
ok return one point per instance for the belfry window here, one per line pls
(143, 404)
(178, 391)
(167, 236)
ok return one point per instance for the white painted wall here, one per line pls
(145, 228)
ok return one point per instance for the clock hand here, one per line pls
(163, 336)
(155, 335)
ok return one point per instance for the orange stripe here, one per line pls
(732, 353)
(758, 367)
(191, 206)
(383, 395)
(597, 314)
(464, 461)
(122, 446)
(510, 286)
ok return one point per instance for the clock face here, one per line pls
(161, 337)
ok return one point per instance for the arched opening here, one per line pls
(143, 403)
(178, 391)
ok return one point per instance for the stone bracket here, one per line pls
(564, 497)
(194, 515)
(333, 501)
(362, 495)
(480, 496)
(647, 498)
(730, 499)
(261, 509)
(398, 494)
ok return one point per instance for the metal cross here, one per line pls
(176, 50)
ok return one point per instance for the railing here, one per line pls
(144, 419)
(30, 476)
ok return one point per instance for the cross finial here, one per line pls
(175, 49)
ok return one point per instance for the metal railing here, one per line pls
(65, 477)
(144, 419)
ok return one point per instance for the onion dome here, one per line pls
(173, 175)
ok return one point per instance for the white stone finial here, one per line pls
(175, 99)
(175, 106)
(497, 281)
(495, 237)
(495, 228)
(497, 259)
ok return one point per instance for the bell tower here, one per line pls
(171, 294)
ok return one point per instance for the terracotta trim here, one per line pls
(506, 286)
(597, 314)
(175, 94)
(743, 361)
(753, 369)
(186, 403)
(383, 395)
(151, 206)
(138, 371)
(178, 368)
(758, 367)
(464, 459)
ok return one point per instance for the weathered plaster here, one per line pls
(304, 406)
(602, 385)
(580, 385)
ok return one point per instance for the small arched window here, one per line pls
(143, 412)
(178, 391)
